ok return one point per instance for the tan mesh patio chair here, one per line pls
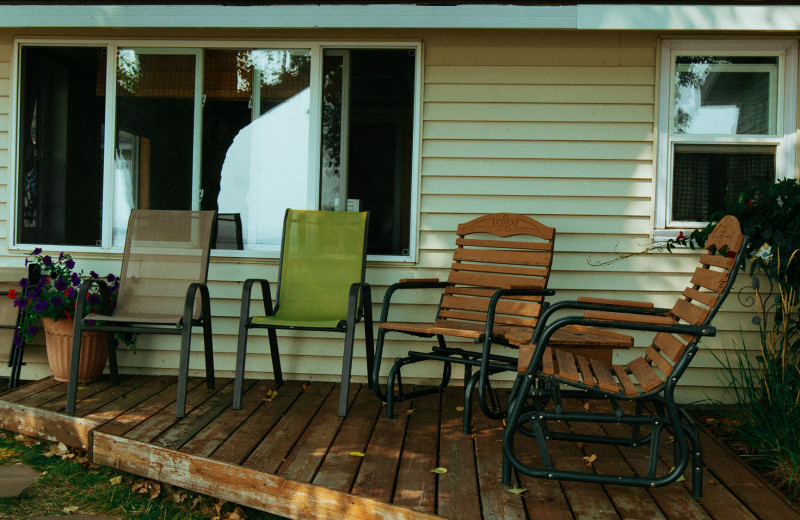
(164, 266)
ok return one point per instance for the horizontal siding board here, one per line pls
(536, 149)
(552, 168)
(602, 51)
(544, 205)
(538, 187)
(616, 94)
(516, 74)
(594, 113)
(553, 131)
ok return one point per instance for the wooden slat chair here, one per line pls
(648, 381)
(496, 286)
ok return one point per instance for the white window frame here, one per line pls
(784, 123)
(195, 46)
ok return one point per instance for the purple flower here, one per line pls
(110, 278)
(70, 292)
(40, 306)
(70, 263)
(24, 282)
(55, 301)
(61, 256)
(19, 303)
(34, 292)
(32, 330)
(47, 261)
(37, 251)
(93, 299)
(60, 285)
(94, 275)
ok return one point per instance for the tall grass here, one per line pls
(766, 390)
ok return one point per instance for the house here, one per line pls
(619, 125)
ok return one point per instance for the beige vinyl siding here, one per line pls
(558, 125)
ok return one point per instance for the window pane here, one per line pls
(154, 134)
(368, 107)
(704, 176)
(255, 154)
(62, 103)
(725, 95)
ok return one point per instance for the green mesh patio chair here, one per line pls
(164, 266)
(320, 287)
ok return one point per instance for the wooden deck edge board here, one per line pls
(44, 424)
(266, 492)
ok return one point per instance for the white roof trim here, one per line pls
(690, 17)
(576, 16)
(295, 16)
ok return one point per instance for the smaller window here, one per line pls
(731, 114)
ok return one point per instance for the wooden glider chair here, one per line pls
(496, 286)
(320, 287)
(164, 267)
(639, 394)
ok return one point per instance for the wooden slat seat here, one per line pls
(496, 252)
(649, 379)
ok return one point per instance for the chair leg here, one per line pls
(347, 366)
(183, 370)
(74, 364)
(274, 354)
(366, 298)
(112, 358)
(208, 347)
(241, 352)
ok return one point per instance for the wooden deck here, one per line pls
(290, 454)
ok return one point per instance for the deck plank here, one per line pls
(270, 453)
(217, 431)
(376, 476)
(84, 391)
(745, 486)
(496, 501)
(17, 394)
(311, 449)
(458, 489)
(127, 400)
(245, 439)
(416, 484)
(213, 402)
(146, 409)
(339, 469)
(393, 479)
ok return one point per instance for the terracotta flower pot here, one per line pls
(94, 351)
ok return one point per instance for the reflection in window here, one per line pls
(60, 157)
(155, 133)
(725, 95)
(256, 145)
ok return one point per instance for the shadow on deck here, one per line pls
(291, 455)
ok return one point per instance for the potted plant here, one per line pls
(52, 299)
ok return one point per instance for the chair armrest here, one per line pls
(266, 295)
(407, 283)
(83, 292)
(613, 301)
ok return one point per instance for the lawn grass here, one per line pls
(69, 483)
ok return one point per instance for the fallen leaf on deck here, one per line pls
(147, 487)
(83, 388)
(439, 471)
(681, 478)
(306, 387)
(57, 450)
(586, 407)
(459, 408)
(70, 509)
(356, 454)
(271, 394)
(116, 480)
(410, 411)
(236, 514)
(517, 491)
(590, 459)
